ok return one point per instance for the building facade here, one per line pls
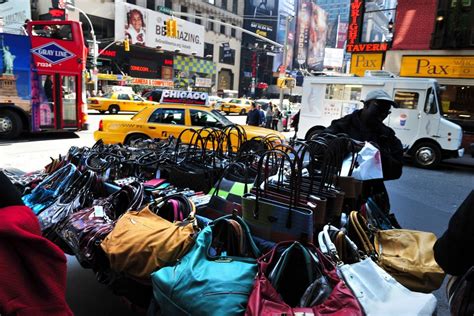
(212, 66)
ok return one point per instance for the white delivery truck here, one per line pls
(426, 136)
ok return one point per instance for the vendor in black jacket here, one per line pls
(367, 125)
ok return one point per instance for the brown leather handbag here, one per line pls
(142, 242)
(405, 254)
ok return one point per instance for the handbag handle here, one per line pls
(328, 247)
(226, 171)
(246, 230)
(155, 206)
(193, 141)
(241, 136)
(360, 228)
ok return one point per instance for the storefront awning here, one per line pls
(136, 81)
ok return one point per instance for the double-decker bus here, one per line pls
(42, 79)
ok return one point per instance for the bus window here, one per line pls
(56, 31)
(46, 99)
(69, 100)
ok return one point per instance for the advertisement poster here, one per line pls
(317, 38)
(303, 25)
(259, 19)
(14, 14)
(341, 34)
(148, 28)
(285, 8)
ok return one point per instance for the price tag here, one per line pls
(99, 211)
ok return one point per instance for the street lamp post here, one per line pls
(285, 53)
(94, 43)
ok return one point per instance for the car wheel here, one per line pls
(426, 155)
(227, 113)
(102, 112)
(114, 109)
(243, 112)
(10, 125)
(134, 137)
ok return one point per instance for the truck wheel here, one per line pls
(426, 155)
(10, 125)
(243, 112)
(114, 109)
(134, 137)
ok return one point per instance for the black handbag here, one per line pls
(460, 293)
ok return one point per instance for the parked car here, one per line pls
(241, 106)
(215, 101)
(115, 102)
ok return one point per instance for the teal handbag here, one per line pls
(203, 284)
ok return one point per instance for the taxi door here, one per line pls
(124, 102)
(137, 103)
(166, 122)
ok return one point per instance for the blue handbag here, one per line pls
(51, 188)
(205, 284)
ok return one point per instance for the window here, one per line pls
(184, 10)
(208, 50)
(167, 116)
(57, 31)
(211, 24)
(430, 104)
(406, 99)
(232, 31)
(235, 6)
(123, 96)
(137, 98)
(198, 20)
(224, 4)
(222, 28)
(204, 119)
(150, 4)
(226, 55)
(343, 92)
(132, 1)
(169, 4)
(211, 1)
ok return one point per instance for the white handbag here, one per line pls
(377, 292)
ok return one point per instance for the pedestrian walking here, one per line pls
(253, 116)
(269, 115)
(276, 118)
(262, 115)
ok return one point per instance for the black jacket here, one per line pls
(391, 149)
(253, 117)
(453, 250)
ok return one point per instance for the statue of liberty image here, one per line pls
(8, 59)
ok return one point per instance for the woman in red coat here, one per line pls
(32, 269)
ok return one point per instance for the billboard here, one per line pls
(259, 20)
(311, 33)
(362, 62)
(147, 28)
(285, 8)
(14, 13)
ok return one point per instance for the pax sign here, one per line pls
(362, 62)
(438, 66)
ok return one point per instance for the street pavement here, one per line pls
(421, 199)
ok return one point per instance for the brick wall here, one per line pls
(414, 24)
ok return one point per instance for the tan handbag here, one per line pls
(405, 254)
(142, 242)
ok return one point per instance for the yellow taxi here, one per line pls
(167, 120)
(241, 106)
(114, 102)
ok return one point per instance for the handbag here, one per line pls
(275, 220)
(405, 254)
(48, 190)
(226, 196)
(205, 284)
(142, 241)
(84, 230)
(294, 278)
(377, 292)
(460, 293)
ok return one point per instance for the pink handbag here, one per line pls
(265, 300)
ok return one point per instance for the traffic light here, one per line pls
(281, 83)
(171, 28)
(126, 45)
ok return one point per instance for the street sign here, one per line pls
(164, 10)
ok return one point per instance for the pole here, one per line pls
(285, 53)
(94, 43)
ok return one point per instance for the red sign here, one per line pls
(353, 31)
(108, 53)
(140, 68)
(168, 62)
(57, 14)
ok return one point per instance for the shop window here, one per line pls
(167, 116)
(343, 92)
(203, 119)
(406, 99)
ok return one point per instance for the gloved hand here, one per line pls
(9, 194)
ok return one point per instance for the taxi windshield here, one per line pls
(221, 118)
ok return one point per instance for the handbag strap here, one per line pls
(360, 228)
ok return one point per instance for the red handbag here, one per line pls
(265, 299)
